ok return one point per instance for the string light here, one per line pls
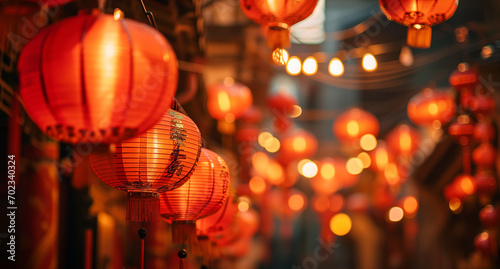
(336, 67)
(280, 56)
(310, 66)
(369, 62)
(293, 66)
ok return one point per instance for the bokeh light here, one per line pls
(368, 142)
(340, 224)
(296, 202)
(369, 62)
(309, 169)
(257, 185)
(310, 66)
(395, 214)
(354, 166)
(336, 67)
(293, 66)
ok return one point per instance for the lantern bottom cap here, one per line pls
(143, 206)
(184, 232)
(419, 36)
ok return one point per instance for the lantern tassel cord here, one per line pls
(142, 235)
(466, 159)
(182, 254)
(149, 15)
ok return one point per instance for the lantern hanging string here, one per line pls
(182, 254)
(149, 15)
(142, 234)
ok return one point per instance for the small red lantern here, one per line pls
(94, 78)
(430, 106)
(281, 103)
(484, 156)
(202, 195)
(297, 144)
(229, 100)
(464, 80)
(486, 183)
(353, 124)
(162, 159)
(482, 105)
(485, 243)
(328, 179)
(484, 132)
(403, 140)
(380, 157)
(277, 16)
(419, 16)
(215, 224)
(489, 216)
(462, 129)
(462, 186)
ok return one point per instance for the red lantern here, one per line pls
(297, 144)
(430, 106)
(281, 103)
(485, 183)
(328, 180)
(485, 243)
(213, 225)
(489, 216)
(462, 186)
(229, 100)
(419, 16)
(202, 195)
(380, 157)
(484, 132)
(484, 156)
(277, 16)
(93, 78)
(403, 140)
(482, 105)
(353, 124)
(465, 81)
(162, 159)
(462, 129)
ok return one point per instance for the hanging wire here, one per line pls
(149, 15)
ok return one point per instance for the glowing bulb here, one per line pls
(396, 214)
(365, 158)
(296, 202)
(309, 169)
(340, 224)
(336, 67)
(243, 206)
(293, 66)
(296, 111)
(352, 128)
(327, 171)
(406, 57)
(368, 142)
(369, 62)
(118, 14)
(263, 137)
(310, 66)
(410, 205)
(354, 166)
(280, 56)
(223, 101)
(257, 185)
(272, 145)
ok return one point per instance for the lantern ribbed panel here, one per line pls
(353, 124)
(428, 12)
(91, 78)
(296, 144)
(430, 106)
(235, 99)
(159, 160)
(216, 223)
(202, 195)
(266, 12)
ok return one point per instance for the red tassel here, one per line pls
(143, 206)
(88, 248)
(466, 159)
(184, 232)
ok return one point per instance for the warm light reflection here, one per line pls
(352, 128)
(263, 137)
(354, 166)
(223, 101)
(340, 224)
(296, 202)
(381, 158)
(327, 171)
(257, 185)
(369, 62)
(410, 205)
(296, 111)
(243, 206)
(336, 67)
(280, 56)
(368, 142)
(275, 173)
(395, 214)
(391, 174)
(309, 169)
(467, 185)
(293, 66)
(310, 66)
(455, 204)
(272, 144)
(365, 159)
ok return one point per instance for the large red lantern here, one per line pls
(297, 144)
(162, 159)
(202, 195)
(277, 16)
(97, 78)
(419, 16)
(229, 100)
(403, 140)
(430, 106)
(353, 124)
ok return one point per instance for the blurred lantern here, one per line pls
(383, 199)
(328, 180)
(410, 206)
(464, 80)
(484, 156)
(485, 244)
(489, 217)
(484, 132)
(162, 159)
(228, 101)
(403, 140)
(379, 157)
(282, 106)
(297, 144)
(202, 195)
(419, 16)
(277, 16)
(340, 224)
(353, 124)
(482, 105)
(72, 78)
(274, 173)
(357, 202)
(462, 129)
(462, 186)
(238, 241)
(430, 106)
(214, 225)
(486, 183)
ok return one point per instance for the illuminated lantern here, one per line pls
(486, 183)
(379, 157)
(327, 181)
(403, 140)
(229, 100)
(419, 16)
(202, 195)
(462, 129)
(489, 216)
(464, 80)
(297, 144)
(462, 186)
(97, 78)
(353, 124)
(162, 159)
(485, 244)
(484, 156)
(281, 103)
(482, 105)
(277, 16)
(430, 106)
(215, 224)
(484, 132)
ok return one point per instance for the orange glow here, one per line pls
(263, 137)
(321, 203)
(257, 185)
(368, 142)
(433, 109)
(365, 159)
(296, 202)
(228, 98)
(467, 185)
(309, 169)
(340, 224)
(272, 144)
(327, 171)
(275, 173)
(223, 101)
(381, 158)
(260, 161)
(395, 214)
(243, 206)
(353, 124)
(280, 56)
(455, 204)
(354, 166)
(299, 144)
(391, 174)
(405, 142)
(352, 128)
(296, 111)
(410, 205)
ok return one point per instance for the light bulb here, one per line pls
(310, 66)
(369, 62)
(293, 66)
(336, 67)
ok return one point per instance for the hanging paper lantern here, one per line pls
(353, 124)
(430, 106)
(484, 156)
(462, 129)
(281, 103)
(380, 157)
(482, 105)
(486, 183)
(419, 16)
(229, 100)
(403, 140)
(464, 80)
(485, 244)
(202, 195)
(489, 216)
(97, 78)
(297, 144)
(332, 176)
(484, 132)
(462, 186)
(277, 17)
(162, 159)
(213, 225)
